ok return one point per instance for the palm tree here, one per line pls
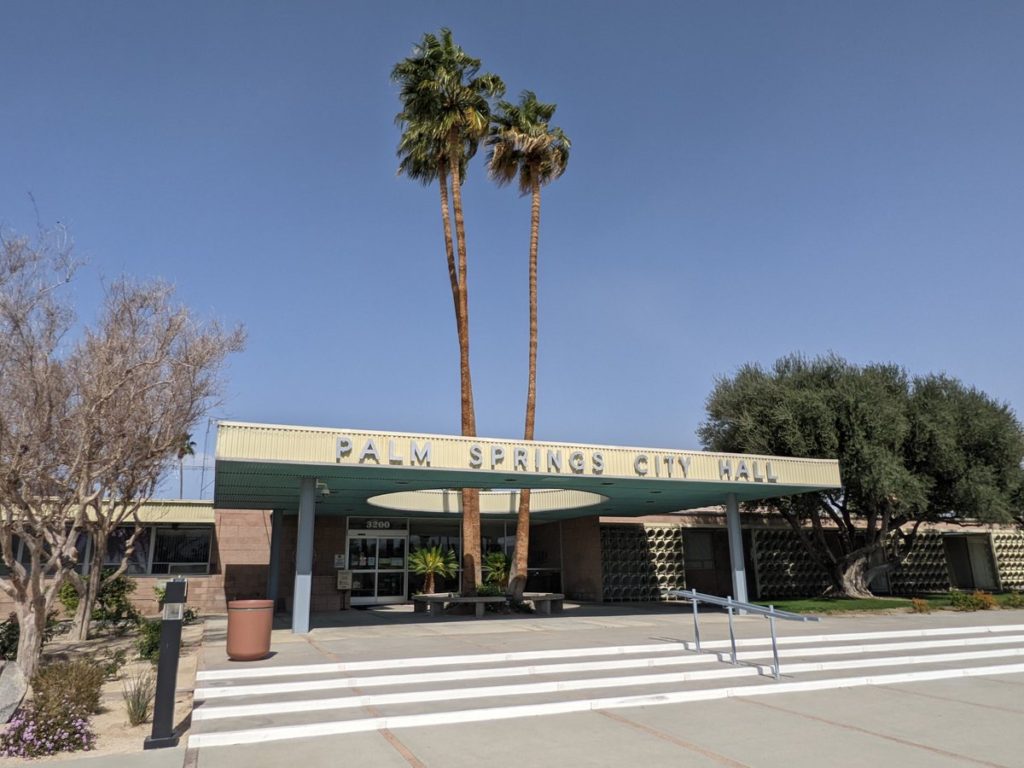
(497, 566)
(445, 114)
(187, 448)
(433, 561)
(525, 147)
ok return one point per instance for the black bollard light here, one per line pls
(167, 668)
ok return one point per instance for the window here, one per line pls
(117, 543)
(181, 550)
(698, 550)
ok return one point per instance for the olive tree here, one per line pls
(90, 419)
(911, 450)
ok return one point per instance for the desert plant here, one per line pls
(1014, 600)
(976, 601)
(431, 562)
(72, 685)
(497, 567)
(148, 641)
(113, 601)
(919, 605)
(112, 661)
(961, 601)
(37, 731)
(985, 600)
(138, 691)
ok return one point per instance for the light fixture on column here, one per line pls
(322, 489)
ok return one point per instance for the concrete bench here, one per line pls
(435, 604)
(545, 603)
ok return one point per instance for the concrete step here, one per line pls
(253, 705)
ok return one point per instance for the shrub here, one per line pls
(148, 641)
(69, 685)
(489, 590)
(113, 603)
(112, 661)
(138, 696)
(985, 600)
(39, 731)
(10, 632)
(918, 605)
(1014, 600)
(978, 601)
(189, 616)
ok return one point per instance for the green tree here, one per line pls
(445, 114)
(525, 147)
(431, 562)
(910, 451)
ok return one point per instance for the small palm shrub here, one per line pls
(498, 568)
(431, 562)
(489, 590)
(138, 691)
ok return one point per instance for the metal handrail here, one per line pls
(731, 605)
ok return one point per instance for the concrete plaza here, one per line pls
(969, 712)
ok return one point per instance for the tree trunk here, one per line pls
(428, 583)
(87, 597)
(853, 578)
(31, 625)
(471, 571)
(520, 561)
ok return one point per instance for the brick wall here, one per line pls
(328, 540)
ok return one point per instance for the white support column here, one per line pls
(304, 556)
(274, 569)
(736, 560)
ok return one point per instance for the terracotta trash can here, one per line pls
(249, 625)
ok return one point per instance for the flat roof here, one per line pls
(258, 466)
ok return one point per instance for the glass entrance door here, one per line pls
(379, 568)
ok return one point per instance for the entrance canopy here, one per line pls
(359, 472)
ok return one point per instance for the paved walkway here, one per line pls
(609, 685)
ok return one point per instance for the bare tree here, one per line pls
(87, 427)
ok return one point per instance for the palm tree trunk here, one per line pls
(471, 570)
(517, 584)
(449, 248)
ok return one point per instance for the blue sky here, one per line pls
(747, 180)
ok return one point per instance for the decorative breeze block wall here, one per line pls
(641, 562)
(1009, 551)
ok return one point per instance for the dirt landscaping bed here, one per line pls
(114, 733)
